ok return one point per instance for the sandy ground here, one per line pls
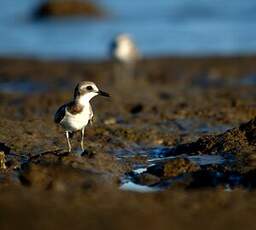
(192, 106)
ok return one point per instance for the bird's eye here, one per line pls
(89, 88)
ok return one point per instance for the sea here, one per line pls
(159, 28)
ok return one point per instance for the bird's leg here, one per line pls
(130, 68)
(82, 139)
(117, 72)
(69, 145)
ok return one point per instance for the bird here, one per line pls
(125, 55)
(76, 114)
(123, 49)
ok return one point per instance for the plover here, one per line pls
(75, 115)
(124, 50)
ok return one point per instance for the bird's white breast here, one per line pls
(74, 122)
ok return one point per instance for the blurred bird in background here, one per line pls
(125, 55)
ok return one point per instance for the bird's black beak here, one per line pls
(102, 93)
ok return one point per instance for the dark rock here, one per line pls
(241, 139)
(4, 148)
(178, 167)
(165, 96)
(156, 170)
(249, 129)
(68, 8)
(136, 109)
(213, 178)
(173, 168)
(146, 179)
(249, 179)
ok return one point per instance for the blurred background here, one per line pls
(159, 27)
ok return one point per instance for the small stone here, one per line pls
(159, 142)
(110, 121)
(136, 109)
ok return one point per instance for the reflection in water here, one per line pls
(203, 177)
(131, 186)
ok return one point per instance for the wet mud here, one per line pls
(174, 146)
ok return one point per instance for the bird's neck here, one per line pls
(83, 101)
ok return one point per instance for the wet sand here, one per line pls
(176, 113)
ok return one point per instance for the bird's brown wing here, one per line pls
(59, 115)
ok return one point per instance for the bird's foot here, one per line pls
(88, 153)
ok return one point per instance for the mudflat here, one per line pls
(173, 148)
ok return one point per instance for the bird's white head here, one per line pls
(124, 40)
(86, 90)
